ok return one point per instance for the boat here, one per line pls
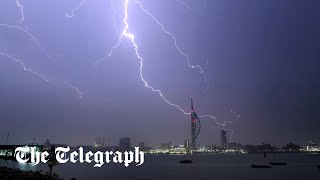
(186, 161)
(274, 158)
(261, 166)
(278, 163)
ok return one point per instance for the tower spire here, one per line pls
(191, 104)
(195, 127)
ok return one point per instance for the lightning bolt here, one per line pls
(76, 89)
(21, 11)
(70, 16)
(28, 34)
(131, 37)
(38, 74)
(236, 116)
(124, 34)
(117, 44)
(176, 44)
(33, 38)
(114, 16)
(111, 51)
(231, 133)
(41, 76)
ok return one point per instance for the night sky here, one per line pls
(261, 60)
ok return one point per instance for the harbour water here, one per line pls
(159, 167)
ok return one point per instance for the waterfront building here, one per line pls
(224, 142)
(124, 144)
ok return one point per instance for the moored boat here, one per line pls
(186, 161)
(278, 163)
(261, 166)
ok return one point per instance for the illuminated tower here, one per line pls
(195, 127)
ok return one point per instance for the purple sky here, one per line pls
(261, 59)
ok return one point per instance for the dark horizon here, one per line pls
(261, 60)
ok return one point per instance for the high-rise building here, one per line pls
(141, 146)
(47, 145)
(186, 143)
(125, 144)
(224, 142)
(195, 127)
